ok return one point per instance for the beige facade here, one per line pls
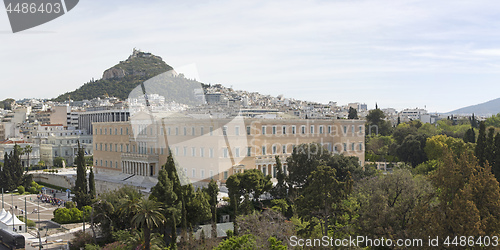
(205, 148)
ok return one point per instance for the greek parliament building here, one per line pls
(132, 152)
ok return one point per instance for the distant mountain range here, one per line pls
(121, 79)
(484, 109)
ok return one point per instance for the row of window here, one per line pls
(284, 129)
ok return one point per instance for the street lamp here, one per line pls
(13, 212)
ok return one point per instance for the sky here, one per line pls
(438, 55)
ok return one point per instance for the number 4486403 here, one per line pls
(33, 8)
(471, 241)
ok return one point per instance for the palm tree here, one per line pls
(148, 214)
(27, 150)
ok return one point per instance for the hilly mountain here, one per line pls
(121, 79)
(488, 108)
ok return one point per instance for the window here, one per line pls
(110, 131)
(263, 150)
(311, 129)
(211, 172)
(128, 149)
(193, 172)
(116, 164)
(224, 152)
(345, 129)
(320, 130)
(294, 130)
(263, 130)
(121, 147)
(101, 131)
(237, 152)
(176, 151)
(284, 149)
(283, 130)
(274, 130)
(96, 146)
(249, 151)
(116, 131)
(345, 147)
(168, 131)
(225, 175)
(303, 128)
(95, 133)
(352, 147)
(201, 131)
(193, 151)
(202, 152)
(211, 131)
(105, 147)
(161, 151)
(248, 130)
(211, 153)
(352, 127)
(134, 149)
(101, 162)
(193, 131)
(185, 130)
(127, 131)
(106, 163)
(116, 147)
(360, 129)
(202, 173)
(275, 149)
(361, 146)
(236, 131)
(121, 131)
(176, 131)
(224, 130)
(184, 151)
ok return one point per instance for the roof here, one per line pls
(13, 142)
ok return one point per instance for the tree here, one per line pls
(27, 150)
(249, 183)
(280, 190)
(265, 224)
(148, 215)
(59, 162)
(470, 136)
(387, 202)
(353, 113)
(12, 174)
(490, 146)
(212, 190)
(496, 163)
(438, 145)
(92, 184)
(376, 124)
(481, 144)
(412, 150)
(319, 199)
(82, 198)
(467, 201)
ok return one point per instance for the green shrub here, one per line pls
(20, 189)
(33, 190)
(70, 204)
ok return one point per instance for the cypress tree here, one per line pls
(92, 184)
(480, 150)
(81, 192)
(495, 166)
(490, 146)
